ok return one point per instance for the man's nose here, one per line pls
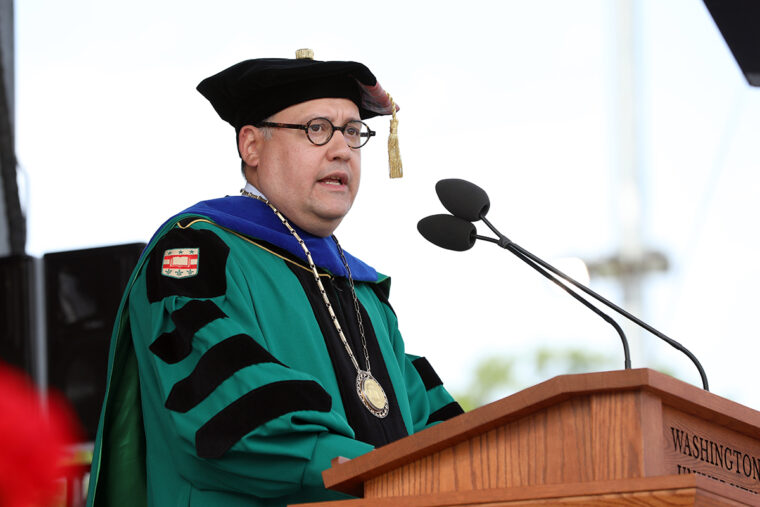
(338, 147)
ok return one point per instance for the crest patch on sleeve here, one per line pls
(180, 262)
(174, 265)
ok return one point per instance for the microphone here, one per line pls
(463, 199)
(454, 233)
(449, 232)
(456, 191)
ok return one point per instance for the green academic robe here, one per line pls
(228, 384)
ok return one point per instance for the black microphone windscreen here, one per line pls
(446, 231)
(463, 199)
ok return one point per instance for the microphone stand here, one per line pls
(510, 246)
(525, 255)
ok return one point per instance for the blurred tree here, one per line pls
(495, 377)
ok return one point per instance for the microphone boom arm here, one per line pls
(583, 301)
(513, 247)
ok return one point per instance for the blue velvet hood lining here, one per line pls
(255, 219)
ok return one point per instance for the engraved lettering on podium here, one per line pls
(696, 453)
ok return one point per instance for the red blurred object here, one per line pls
(34, 442)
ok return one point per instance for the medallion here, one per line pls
(371, 393)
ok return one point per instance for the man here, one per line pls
(250, 349)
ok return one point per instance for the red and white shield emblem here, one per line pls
(180, 262)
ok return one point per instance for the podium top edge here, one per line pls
(672, 392)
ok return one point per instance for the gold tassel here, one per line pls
(394, 157)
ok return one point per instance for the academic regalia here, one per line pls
(245, 391)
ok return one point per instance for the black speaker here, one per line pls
(83, 289)
(17, 313)
(738, 22)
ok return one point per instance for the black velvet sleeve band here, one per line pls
(446, 412)
(218, 364)
(427, 373)
(175, 346)
(255, 408)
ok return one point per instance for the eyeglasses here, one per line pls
(320, 131)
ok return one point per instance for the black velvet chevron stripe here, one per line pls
(446, 412)
(175, 346)
(218, 364)
(427, 373)
(255, 408)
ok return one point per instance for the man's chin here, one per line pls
(327, 226)
(321, 224)
(333, 211)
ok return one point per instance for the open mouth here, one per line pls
(333, 180)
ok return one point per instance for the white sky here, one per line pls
(518, 97)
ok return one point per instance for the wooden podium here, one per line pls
(632, 437)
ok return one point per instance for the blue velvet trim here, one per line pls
(253, 218)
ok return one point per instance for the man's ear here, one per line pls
(249, 140)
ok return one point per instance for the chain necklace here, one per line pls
(368, 389)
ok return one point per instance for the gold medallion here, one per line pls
(371, 393)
